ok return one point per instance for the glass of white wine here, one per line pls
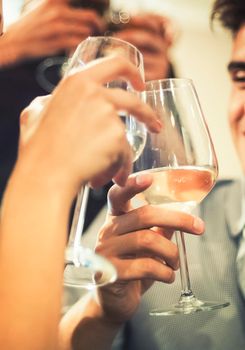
(83, 267)
(182, 161)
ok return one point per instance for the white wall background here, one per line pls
(200, 54)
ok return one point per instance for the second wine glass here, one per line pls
(183, 164)
(84, 268)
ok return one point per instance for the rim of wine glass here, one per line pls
(167, 84)
(112, 38)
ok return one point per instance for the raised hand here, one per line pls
(137, 241)
(50, 28)
(80, 123)
(153, 35)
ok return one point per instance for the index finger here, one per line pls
(113, 67)
(149, 216)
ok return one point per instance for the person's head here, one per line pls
(231, 14)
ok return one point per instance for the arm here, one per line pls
(46, 177)
(137, 241)
(50, 28)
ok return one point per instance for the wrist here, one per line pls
(85, 319)
(10, 51)
(41, 180)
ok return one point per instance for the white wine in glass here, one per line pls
(83, 267)
(183, 164)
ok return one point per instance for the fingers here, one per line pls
(156, 24)
(34, 107)
(115, 67)
(86, 17)
(119, 171)
(129, 102)
(144, 40)
(149, 216)
(142, 243)
(119, 197)
(121, 176)
(143, 269)
(147, 22)
(112, 68)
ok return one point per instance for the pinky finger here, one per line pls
(144, 268)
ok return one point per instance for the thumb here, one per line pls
(119, 197)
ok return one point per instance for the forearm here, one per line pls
(86, 327)
(33, 235)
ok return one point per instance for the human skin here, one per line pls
(137, 250)
(54, 159)
(153, 35)
(237, 98)
(50, 28)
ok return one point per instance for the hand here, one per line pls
(153, 36)
(80, 136)
(137, 241)
(51, 27)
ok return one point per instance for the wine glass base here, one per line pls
(87, 269)
(189, 308)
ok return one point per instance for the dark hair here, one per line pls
(231, 13)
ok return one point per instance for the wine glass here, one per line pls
(85, 268)
(182, 161)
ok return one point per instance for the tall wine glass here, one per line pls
(182, 161)
(85, 268)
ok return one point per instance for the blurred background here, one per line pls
(199, 53)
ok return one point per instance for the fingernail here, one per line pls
(143, 179)
(198, 225)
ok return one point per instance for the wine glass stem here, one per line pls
(79, 218)
(184, 271)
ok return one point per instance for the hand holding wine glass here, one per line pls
(81, 264)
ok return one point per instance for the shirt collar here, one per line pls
(235, 207)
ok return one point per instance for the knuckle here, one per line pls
(99, 248)
(24, 114)
(144, 212)
(58, 13)
(175, 252)
(145, 239)
(57, 25)
(147, 267)
(169, 276)
(188, 221)
(112, 193)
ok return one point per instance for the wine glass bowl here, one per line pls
(95, 47)
(182, 161)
